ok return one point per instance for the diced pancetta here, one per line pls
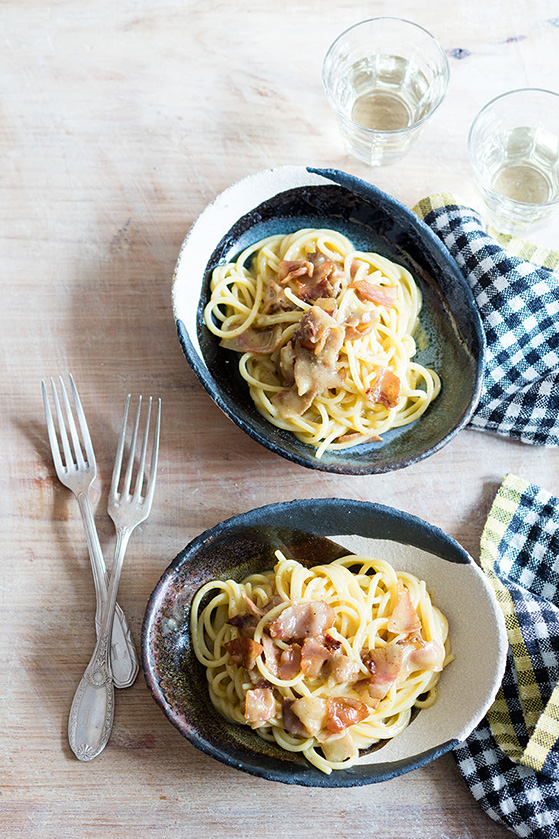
(257, 341)
(244, 651)
(275, 299)
(303, 620)
(287, 363)
(312, 290)
(291, 721)
(313, 655)
(343, 712)
(312, 712)
(385, 389)
(290, 662)
(317, 342)
(358, 326)
(339, 749)
(384, 664)
(320, 333)
(271, 654)
(243, 622)
(290, 404)
(289, 269)
(404, 619)
(383, 295)
(342, 668)
(260, 706)
(312, 375)
(427, 656)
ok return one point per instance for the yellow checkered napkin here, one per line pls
(511, 761)
(516, 289)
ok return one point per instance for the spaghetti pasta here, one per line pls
(325, 661)
(325, 334)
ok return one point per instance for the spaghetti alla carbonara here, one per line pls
(325, 334)
(324, 661)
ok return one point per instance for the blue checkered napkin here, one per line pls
(517, 293)
(511, 761)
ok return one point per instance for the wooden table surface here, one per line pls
(120, 121)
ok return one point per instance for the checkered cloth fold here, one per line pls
(517, 292)
(511, 761)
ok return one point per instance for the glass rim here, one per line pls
(473, 162)
(386, 131)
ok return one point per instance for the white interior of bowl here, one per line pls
(478, 638)
(212, 225)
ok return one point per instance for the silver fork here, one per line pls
(77, 471)
(92, 711)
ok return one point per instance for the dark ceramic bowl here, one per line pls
(284, 200)
(316, 531)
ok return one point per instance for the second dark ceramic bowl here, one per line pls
(289, 198)
(317, 531)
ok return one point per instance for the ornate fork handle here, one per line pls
(122, 652)
(92, 712)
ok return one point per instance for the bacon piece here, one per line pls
(343, 712)
(322, 269)
(271, 654)
(252, 606)
(291, 269)
(311, 375)
(291, 721)
(426, 656)
(384, 664)
(360, 325)
(244, 651)
(260, 706)
(317, 343)
(290, 404)
(307, 291)
(243, 622)
(249, 620)
(303, 620)
(317, 258)
(339, 749)
(316, 651)
(342, 668)
(385, 389)
(275, 299)
(328, 304)
(290, 662)
(257, 341)
(404, 618)
(319, 332)
(287, 363)
(312, 712)
(383, 295)
(313, 655)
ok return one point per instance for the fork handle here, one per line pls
(124, 660)
(92, 712)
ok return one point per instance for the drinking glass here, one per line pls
(384, 78)
(514, 151)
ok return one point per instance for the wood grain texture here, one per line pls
(120, 121)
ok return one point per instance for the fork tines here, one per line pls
(144, 485)
(74, 457)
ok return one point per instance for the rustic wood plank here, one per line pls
(120, 121)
